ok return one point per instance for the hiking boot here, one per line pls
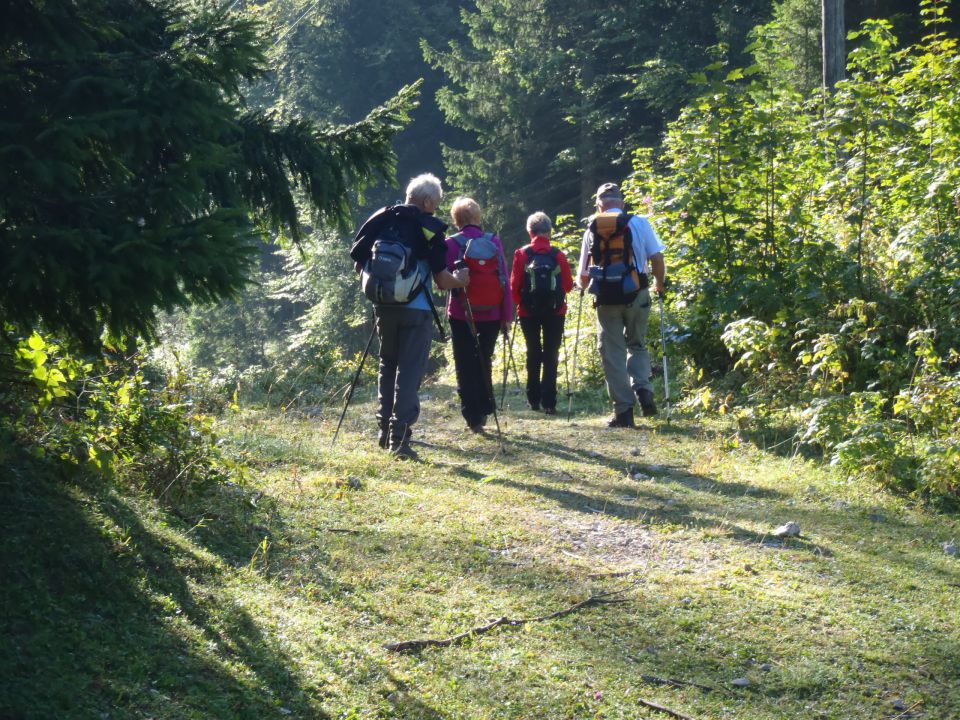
(400, 442)
(479, 425)
(404, 452)
(549, 411)
(647, 405)
(534, 405)
(622, 420)
(383, 440)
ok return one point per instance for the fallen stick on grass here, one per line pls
(601, 599)
(908, 711)
(675, 683)
(661, 708)
(614, 574)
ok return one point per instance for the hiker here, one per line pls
(396, 251)
(486, 309)
(617, 247)
(539, 283)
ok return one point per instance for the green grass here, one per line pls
(275, 599)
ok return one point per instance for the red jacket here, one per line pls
(539, 245)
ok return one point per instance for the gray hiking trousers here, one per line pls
(405, 335)
(623, 349)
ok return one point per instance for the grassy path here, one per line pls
(276, 599)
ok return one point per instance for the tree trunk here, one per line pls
(586, 150)
(834, 43)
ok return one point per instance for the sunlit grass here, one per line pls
(275, 599)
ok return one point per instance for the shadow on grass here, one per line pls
(102, 617)
(662, 473)
(648, 507)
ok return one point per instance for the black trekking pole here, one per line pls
(566, 369)
(483, 369)
(506, 369)
(363, 359)
(513, 362)
(516, 375)
(663, 348)
(576, 342)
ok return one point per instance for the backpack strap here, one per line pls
(461, 241)
(623, 225)
(594, 240)
(436, 315)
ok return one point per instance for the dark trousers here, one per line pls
(544, 336)
(474, 378)
(405, 335)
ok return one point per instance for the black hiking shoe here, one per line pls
(647, 405)
(384, 439)
(534, 405)
(622, 420)
(403, 451)
(549, 411)
(478, 426)
(400, 442)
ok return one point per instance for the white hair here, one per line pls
(425, 186)
(539, 224)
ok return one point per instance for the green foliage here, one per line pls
(288, 339)
(792, 58)
(556, 93)
(113, 415)
(342, 58)
(811, 238)
(133, 166)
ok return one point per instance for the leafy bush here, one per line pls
(112, 415)
(815, 246)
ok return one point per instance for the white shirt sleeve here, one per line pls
(645, 241)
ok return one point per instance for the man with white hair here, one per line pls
(616, 251)
(404, 327)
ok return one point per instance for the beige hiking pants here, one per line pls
(623, 349)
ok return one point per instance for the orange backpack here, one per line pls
(615, 279)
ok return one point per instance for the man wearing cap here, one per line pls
(623, 327)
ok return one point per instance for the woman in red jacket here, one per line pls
(539, 283)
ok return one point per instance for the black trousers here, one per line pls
(474, 378)
(544, 336)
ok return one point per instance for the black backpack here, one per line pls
(392, 275)
(542, 292)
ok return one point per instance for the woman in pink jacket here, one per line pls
(486, 302)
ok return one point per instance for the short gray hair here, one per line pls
(425, 186)
(539, 224)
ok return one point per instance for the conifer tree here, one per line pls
(558, 93)
(134, 175)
